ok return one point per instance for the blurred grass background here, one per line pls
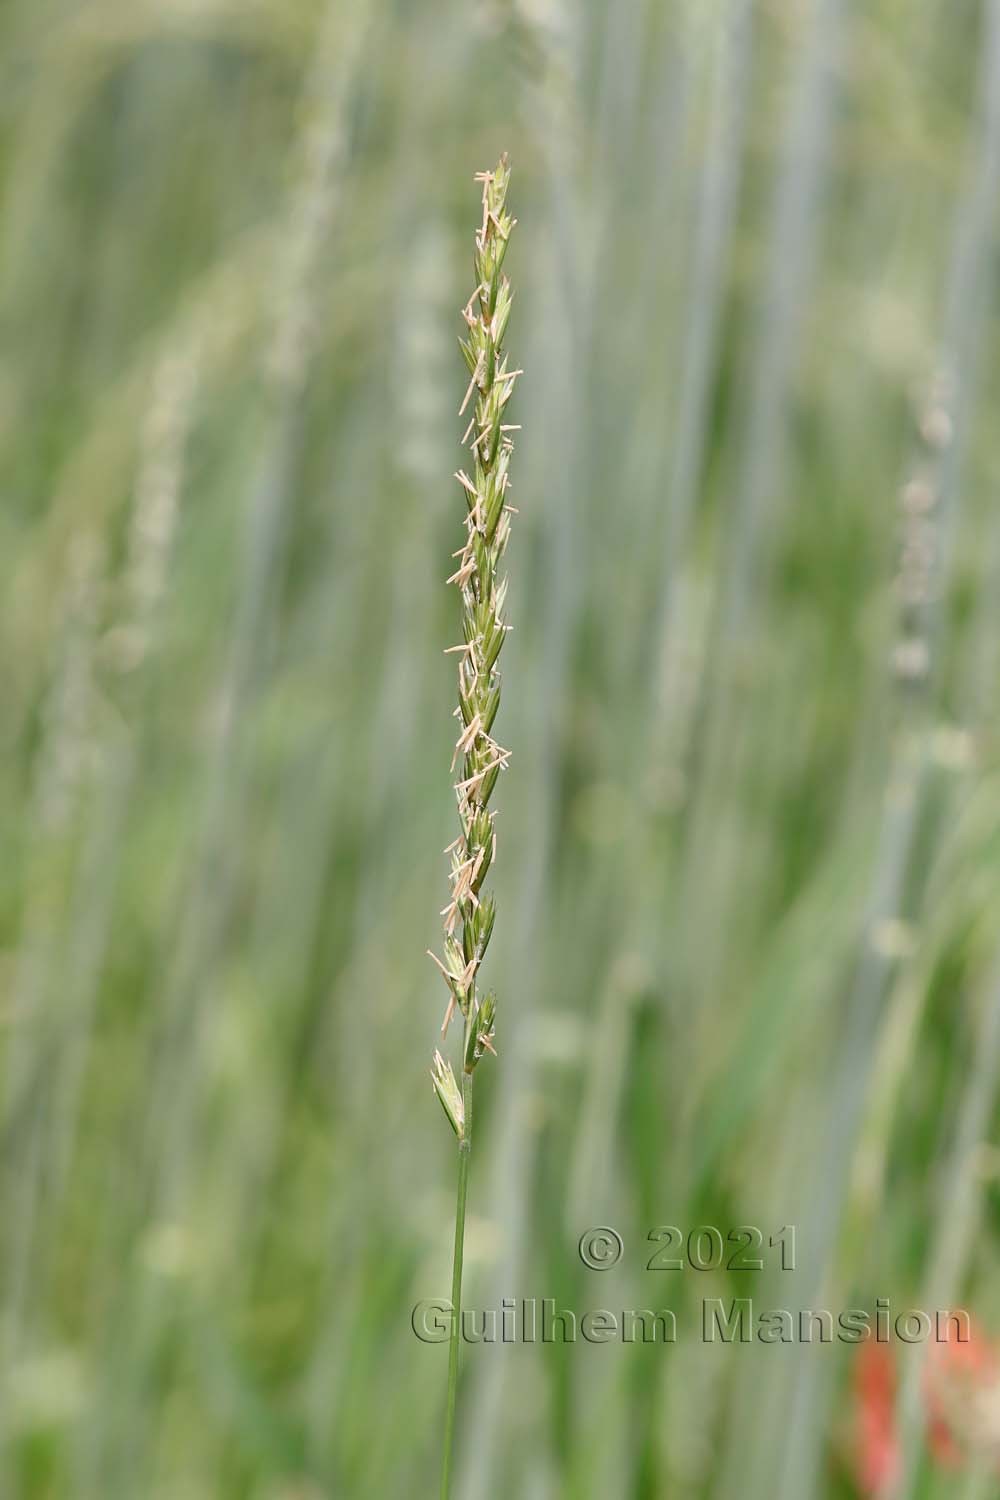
(749, 870)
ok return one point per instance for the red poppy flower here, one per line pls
(877, 1451)
(961, 1391)
(962, 1397)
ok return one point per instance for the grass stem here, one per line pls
(464, 1158)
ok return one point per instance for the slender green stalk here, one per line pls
(487, 523)
(464, 1156)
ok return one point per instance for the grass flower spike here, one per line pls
(479, 758)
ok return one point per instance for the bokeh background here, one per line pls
(747, 951)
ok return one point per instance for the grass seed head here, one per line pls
(470, 913)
